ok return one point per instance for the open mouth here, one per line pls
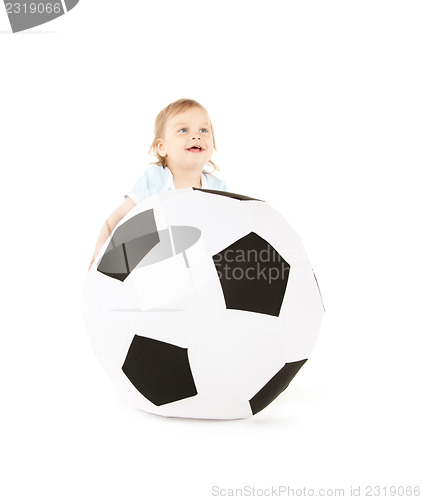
(195, 149)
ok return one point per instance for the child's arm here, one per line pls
(110, 224)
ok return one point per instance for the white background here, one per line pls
(317, 109)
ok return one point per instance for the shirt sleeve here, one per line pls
(223, 186)
(142, 188)
(215, 183)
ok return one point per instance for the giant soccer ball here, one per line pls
(202, 304)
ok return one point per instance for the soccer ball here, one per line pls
(202, 304)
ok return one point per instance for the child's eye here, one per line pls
(203, 130)
(184, 129)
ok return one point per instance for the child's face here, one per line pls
(187, 141)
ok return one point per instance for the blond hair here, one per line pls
(160, 122)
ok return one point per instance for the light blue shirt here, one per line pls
(157, 178)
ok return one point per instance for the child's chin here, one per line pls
(196, 162)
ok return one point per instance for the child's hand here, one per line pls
(110, 224)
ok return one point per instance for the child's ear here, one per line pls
(160, 149)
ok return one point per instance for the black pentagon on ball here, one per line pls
(160, 371)
(128, 246)
(275, 386)
(253, 275)
(236, 196)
